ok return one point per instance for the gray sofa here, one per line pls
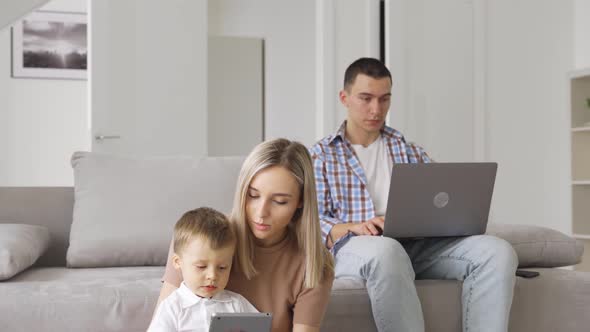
(103, 295)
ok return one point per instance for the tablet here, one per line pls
(240, 322)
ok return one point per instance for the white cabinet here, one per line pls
(580, 144)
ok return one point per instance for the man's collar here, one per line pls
(340, 133)
(189, 299)
(386, 131)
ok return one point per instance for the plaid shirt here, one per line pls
(341, 183)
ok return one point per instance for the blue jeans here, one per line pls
(484, 263)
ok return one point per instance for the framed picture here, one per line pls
(50, 45)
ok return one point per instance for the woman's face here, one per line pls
(271, 201)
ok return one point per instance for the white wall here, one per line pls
(12, 10)
(355, 28)
(431, 56)
(235, 97)
(288, 30)
(581, 33)
(520, 60)
(41, 121)
(530, 47)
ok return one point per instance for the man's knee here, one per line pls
(390, 257)
(500, 254)
(376, 256)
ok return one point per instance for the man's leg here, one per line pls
(485, 264)
(387, 269)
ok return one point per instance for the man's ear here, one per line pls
(176, 261)
(343, 96)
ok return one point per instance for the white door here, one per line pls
(235, 95)
(148, 63)
(434, 57)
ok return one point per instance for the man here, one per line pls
(353, 172)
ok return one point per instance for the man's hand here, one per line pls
(371, 227)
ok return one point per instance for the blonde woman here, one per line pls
(282, 265)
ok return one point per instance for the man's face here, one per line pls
(367, 101)
(205, 270)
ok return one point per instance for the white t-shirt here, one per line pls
(377, 166)
(184, 311)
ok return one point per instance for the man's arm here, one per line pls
(369, 227)
(332, 227)
(416, 154)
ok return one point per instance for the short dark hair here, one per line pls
(366, 66)
(210, 224)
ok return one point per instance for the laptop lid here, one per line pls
(439, 199)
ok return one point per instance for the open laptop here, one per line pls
(439, 199)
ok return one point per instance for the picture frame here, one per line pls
(50, 45)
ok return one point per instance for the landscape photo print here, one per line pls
(50, 45)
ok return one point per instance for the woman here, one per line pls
(281, 265)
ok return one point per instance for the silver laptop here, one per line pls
(243, 322)
(439, 199)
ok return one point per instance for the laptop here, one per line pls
(439, 199)
(243, 322)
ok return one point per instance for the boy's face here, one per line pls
(205, 270)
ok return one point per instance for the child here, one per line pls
(204, 245)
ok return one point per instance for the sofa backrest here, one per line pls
(126, 206)
(213, 180)
(46, 206)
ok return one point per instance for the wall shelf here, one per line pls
(579, 86)
(580, 129)
(579, 73)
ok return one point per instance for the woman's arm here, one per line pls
(311, 305)
(171, 276)
(305, 328)
(167, 289)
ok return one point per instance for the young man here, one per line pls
(353, 171)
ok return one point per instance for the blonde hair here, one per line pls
(305, 225)
(208, 223)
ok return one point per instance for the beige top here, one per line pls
(278, 286)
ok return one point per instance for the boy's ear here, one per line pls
(176, 261)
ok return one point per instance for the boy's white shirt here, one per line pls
(184, 311)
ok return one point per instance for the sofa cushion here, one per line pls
(125, 207)
(20, 246)
(89, 300)
(539, 246)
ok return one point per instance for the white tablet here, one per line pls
(240, 322)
